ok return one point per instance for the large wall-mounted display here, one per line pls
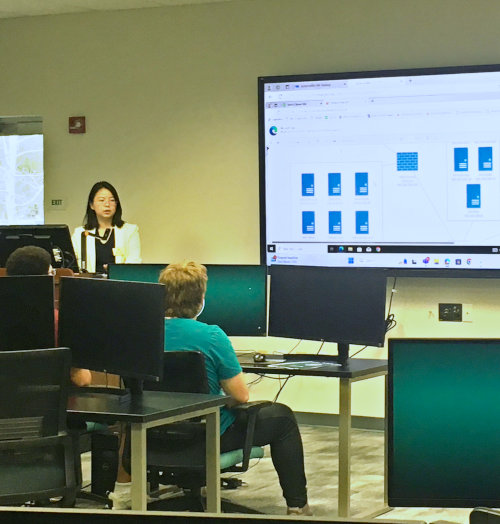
(396, 169)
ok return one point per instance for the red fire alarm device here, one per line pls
(77, 124)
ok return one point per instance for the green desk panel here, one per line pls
(235, 299)
(444, 422)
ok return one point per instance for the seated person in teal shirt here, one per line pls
(185, 287)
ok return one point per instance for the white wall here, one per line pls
(170, 96)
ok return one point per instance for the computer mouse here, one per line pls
(259, 357)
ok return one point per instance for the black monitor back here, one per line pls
(26, 312)
(54, 238)
(332, 304)
(113, 326)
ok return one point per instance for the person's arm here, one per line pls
(133, 247)
(80, 377)
(236, 388)
(76, 240)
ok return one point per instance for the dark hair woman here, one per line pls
(105, 238)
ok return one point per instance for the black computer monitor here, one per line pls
(236, 294)
(340, 305)
(236, 299)
(54, 238)
(26, 312)
(113, 326)
(135, 272)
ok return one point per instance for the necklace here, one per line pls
(105, 237)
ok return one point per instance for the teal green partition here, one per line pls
(236, 298)
(135, 272)
(444, 422)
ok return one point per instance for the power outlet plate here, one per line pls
(450, 312)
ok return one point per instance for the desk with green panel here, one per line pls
(444, 422)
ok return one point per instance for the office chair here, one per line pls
(36, 452)
(482, 515)
(176, 452)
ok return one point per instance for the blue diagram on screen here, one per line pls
(334, 184)
(485, 155)
(308, 227)
(335, 222)
(361, 184)
(461, 159)
(362, 223)
(307, 184)
(473, 195)
(407, 161)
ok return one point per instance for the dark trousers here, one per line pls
(276, 425)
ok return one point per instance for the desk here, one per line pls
(353, 370)
(154, 408)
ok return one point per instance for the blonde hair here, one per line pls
(185, 287)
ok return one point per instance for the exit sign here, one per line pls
(57, 203)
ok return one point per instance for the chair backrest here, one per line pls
(183, 372)
(33, 392)
(484, 516)
(37, 459)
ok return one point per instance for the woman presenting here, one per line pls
(105, 238)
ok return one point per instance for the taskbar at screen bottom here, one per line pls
(388, 260)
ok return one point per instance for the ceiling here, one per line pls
(19, 8)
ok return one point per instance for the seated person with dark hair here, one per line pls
(29, 260)
(33, 260)
(185, 287)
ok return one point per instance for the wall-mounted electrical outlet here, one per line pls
(467, 313)
(450, 312)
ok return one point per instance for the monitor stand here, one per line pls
(343, 353)
(134, 385)
(122, 395)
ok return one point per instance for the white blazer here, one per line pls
(127, 248)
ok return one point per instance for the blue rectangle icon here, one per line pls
(461, 159)
(307, 184)
(361, 184)
(485, 158)
(334, 184)
(473, 195)
(407, 161)
(308, 226)
(362, 223)
(335, 222)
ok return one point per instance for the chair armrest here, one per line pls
(32, 443)
(251, 410)
(251, 407)
(484, 516)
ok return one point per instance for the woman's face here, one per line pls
(104, 205)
